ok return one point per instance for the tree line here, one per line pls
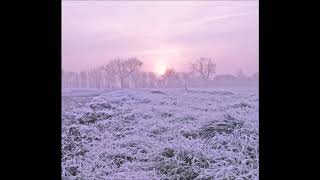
(126, 73)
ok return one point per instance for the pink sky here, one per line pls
(161, 33)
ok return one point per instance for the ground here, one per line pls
(161, 134)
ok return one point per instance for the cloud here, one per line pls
(223, 17)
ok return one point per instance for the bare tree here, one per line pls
(97, 77)
(123, 68)
(91, 79)
(110, 75)
(205, 67)
(255, 76)
(152, 79)
(135, 80)
(144, 79)
(185, 77)
(169, 73)
(241, 75)
(170, 77)
(83, 79)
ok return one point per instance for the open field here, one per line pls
(161, 134)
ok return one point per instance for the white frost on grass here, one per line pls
(161, 134)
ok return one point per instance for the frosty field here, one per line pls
(161, 134)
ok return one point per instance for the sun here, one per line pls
(160, 68)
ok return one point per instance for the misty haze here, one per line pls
(160, 90)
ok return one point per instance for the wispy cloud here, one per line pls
(223, 17)
(197, 24)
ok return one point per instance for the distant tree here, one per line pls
(135, 79)
(169, 73)
(160, 82)
(109, 75)
(144, 78)
(255, 76)
(123, 68)
(97, 76)
(241, 75)
(76, 80)
(152, 79)
(185, 77)
(170, 77)
(205, 67)
(90, 79)
(83, 79)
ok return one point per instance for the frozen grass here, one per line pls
(161, 134)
